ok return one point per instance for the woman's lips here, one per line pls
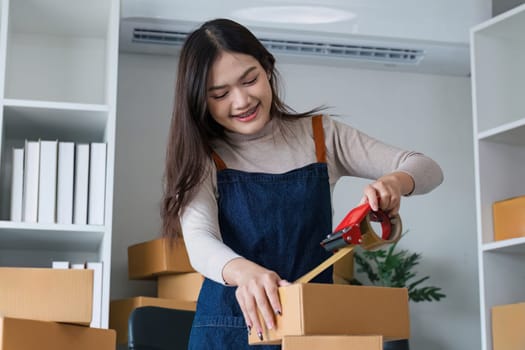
(248, 116)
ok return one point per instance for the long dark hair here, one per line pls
(192, 127)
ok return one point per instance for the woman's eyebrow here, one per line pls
(218, 87)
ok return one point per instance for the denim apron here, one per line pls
(274, 220)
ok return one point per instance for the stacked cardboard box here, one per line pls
(324, 309)
(509, 218)
(507, 326)
(178, 285)
(314, 316)
(38, 301)
(332, 342)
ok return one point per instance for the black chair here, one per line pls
(157, 328)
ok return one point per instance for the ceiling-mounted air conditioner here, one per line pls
(288, 46)
(154, 36)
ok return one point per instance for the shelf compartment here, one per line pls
(34, 120)
(52, 237)
(503, 283)
(56, 50)
(501, 174)
(498, 49)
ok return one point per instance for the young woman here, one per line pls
(251, 181)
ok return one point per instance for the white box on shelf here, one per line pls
(66, 171)
(78, 266)
(17, 184)
(31, 169)
(81, 184)
(97, 183)
(47, 183)
(64, 265)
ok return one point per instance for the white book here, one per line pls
(97, 183)
(17, 184)
(65, 181)
(64, 265)
(96, 318)
(81, 184)
(31, 169)
(47, 187)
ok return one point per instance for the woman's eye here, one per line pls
(250, 82)
(218, 97)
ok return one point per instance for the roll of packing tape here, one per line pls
(358, 231)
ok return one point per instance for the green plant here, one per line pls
(391, 268)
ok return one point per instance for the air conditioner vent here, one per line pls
(153, 36)
(381, 54)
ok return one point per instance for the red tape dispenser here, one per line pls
(355, 229)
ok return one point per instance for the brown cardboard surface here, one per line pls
(333, 342)
(328, 309)
(119, 311)
(21, 334)
(152, 258)
(47, 294)
(181, 286)
(509, 218)
(507, 326)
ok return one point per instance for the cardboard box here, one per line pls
(47, 294)
(336, 309)
(119, 311)
(509, 218)
(182, 286)
(507, 326)
(149, 259)
(333, 342)
(21, 334)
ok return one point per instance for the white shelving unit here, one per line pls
(58, 80)
(498, 87)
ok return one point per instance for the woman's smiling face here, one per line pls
(239, 94)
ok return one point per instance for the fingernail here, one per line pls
(278, 312)
(259, 334)
(249, 329)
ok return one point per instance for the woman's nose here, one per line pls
(241, 99)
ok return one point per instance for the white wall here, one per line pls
(145, 94)
(427, 113)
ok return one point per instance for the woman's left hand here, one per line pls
(385, 193)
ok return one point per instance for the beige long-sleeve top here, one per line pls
(349, 152)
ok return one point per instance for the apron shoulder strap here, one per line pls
(320, 149)
(219, 163)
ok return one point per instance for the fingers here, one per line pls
(382, 195)
(260, 297)
(284, 283)
(248, 305)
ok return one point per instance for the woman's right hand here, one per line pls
(256, 290)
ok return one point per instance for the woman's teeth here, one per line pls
(247, 114)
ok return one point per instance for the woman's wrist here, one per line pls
(232, 271)
(405, 182)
